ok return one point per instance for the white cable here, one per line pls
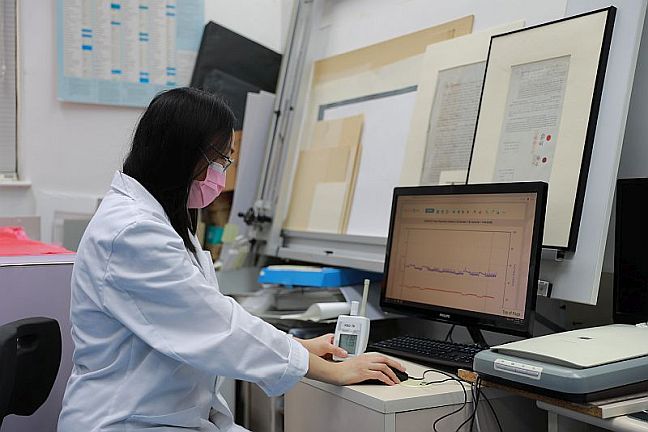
(365, 295)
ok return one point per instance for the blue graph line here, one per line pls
(463, 272)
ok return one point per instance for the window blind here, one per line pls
(8, 160)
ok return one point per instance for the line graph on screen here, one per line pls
(454, 267)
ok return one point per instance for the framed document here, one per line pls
(445, 113)
(538, 113)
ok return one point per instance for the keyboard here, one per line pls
(429, 351)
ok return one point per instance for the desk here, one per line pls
(562, 419)
(39, 286)
(318, 407)
(564, 416)
(261, 413)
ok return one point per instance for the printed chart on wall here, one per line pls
(123, 52)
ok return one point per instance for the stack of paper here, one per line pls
(324, 181)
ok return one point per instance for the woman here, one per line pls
(152, 332)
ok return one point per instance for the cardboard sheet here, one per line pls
(382, 67)
(390, 51)
(314, 166)
(379, 68)
(327, 207)
(323, 182)
(337, 133)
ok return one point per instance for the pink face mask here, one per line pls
(204, 192)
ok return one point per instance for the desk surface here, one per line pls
(25, 260)
(617, 424)
(602, 409)
(390, 399)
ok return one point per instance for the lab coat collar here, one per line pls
(203, 260)
(130, 187)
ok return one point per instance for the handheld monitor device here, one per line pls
(630, 293)
(466, 254)
(352, 331)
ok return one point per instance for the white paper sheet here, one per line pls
(320, 312)
(256, 127)
(386, 125)
(531, 121)
(452, 121)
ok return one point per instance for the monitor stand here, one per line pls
(477, 336)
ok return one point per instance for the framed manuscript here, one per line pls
(538, 113)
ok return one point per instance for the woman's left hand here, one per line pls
(323, 346)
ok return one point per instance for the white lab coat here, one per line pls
(153, 333)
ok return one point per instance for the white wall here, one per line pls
(634, 153)
(383, 19)
(69, 151)
(263, 21)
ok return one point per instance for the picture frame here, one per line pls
(538, 113)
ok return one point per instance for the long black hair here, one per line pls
(171, 137)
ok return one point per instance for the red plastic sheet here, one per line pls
(15, 242)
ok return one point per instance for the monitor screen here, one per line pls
(630, 296)
(466, 254)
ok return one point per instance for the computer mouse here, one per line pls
(402, 376)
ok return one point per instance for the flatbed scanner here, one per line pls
(579, 365)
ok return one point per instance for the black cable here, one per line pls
(476, 392)
(465, 401)
(476, 404)
(499, 425)
(449, 334)
(430, 370)
(450, 377)
(422, 377)
(471, 417)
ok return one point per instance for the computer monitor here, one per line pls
(466, 254)
(630, 292)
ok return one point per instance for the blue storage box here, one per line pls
(314, 276)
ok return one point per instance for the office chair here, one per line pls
(30, 355)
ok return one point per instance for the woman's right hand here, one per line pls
(367, 366)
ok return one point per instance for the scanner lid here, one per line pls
(583, 348)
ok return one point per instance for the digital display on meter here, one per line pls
(348, 342)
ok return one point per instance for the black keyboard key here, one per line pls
(429, 351)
